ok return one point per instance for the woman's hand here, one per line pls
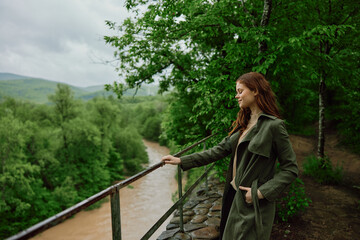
(248, 198)
(168, 159)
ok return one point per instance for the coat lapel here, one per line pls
(257, 143)
(234, 141)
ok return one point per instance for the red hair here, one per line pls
(265, 99)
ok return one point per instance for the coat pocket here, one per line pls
(263, 180)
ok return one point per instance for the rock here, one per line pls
(215, 208)
(176, 220)
(201, 211)
(181, 236)
(199, 219)
(168, 234)
(214, 214)
(214, 195)
(213, 222)
(186, 212)
(218, 202)
(172, 226)
(200, 192)
(220, 191)
(190, 204)
(201, 215)
(205, 233)
(210, 200)
(203, 205)
(211, 193)
(201, 198)
(191, 227)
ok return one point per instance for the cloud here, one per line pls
(59, 39)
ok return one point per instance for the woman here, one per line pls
(257, 139)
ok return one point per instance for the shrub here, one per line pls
(294, 202)
(152, 129)
(322, 170)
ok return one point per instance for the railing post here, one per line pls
(206, 177)
(115, 214)
(181, 204)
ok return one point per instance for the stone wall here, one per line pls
(201, 214)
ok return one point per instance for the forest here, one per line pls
(54, 156)
(61, 153)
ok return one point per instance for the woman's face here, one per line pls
(245, 97)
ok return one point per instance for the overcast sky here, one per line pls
(59, 40)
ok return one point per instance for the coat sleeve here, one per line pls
(206, 157)
(288, 165)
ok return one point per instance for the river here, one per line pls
(141, 206)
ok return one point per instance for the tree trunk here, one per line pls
(324, 49)
(321, 139)
(264, 22)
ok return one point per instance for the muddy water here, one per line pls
(141, 207)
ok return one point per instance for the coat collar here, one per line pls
(256, 128)
(252, 132)
(268, 116)
(261, 115)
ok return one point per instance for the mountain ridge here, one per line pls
(37, 89)
(11, 76)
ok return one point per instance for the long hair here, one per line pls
(265, 99)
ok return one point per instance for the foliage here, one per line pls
(348, 99)
(294, 202)
(147, 115)
(193, 175)
(324, 173)
(53, 156)
(152, 130)
(201, 47)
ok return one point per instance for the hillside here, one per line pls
(11, 76)
(37, 90)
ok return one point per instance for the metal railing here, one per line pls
(114, 193)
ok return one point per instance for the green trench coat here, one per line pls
(267, 141)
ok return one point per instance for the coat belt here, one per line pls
(258, 217)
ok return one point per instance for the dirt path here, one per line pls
(334, 213)
(305, 146)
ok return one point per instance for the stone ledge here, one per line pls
(201, 215)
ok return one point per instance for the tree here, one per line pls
(326, 42)
(201, 47)
(105, 116)
(127, 142)
(86, 159)
(17, 177)
(64, 103)
(64, 110)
